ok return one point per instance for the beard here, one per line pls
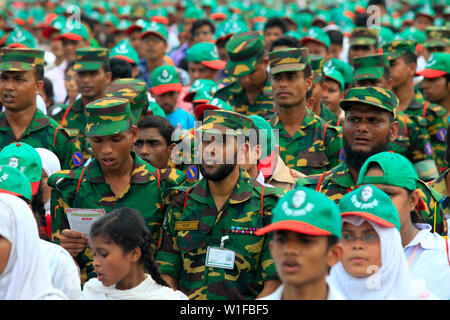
(219, 174)
(355, 159)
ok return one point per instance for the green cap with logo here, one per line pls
(317, 67)
(397, 171)
(413, 33)
(107, 116)
(123, 50)
(135, 90)
(362, 36)
(370, 66)
(344, 68)
(214, 104)
(290, 59)
(372, 204)
(14, 182)
(225, 122)
(74, 31)
(26, 159)
(243, 50)
(155, 28)
(317, 35)
(374, 96)
(200, 84)
(437, 37)
(334, 74)
(156, 109)
(438, 64)
(305, 211)
(20, 59)
(205, 53)
(396, 48)
(164, 79)
(203, 95)
(20, 38)
(89, 59)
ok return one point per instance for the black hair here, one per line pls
(37, 206)
(164, 126)
(287, 41)
(447, 78)
(447, 149)
(39, 72)
(307, 72)
(409, 57)
(106, 67)
(386, 72)
(48, 88)
(126, 228)
(360, 19)
(70, 65)
(276, 22)
(336, 37)
(331, 241)
(120, 69)
(377, 3)
(200, 23)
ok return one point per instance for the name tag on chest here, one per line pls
(186, 225)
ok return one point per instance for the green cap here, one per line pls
(20, 38)
(214, 104)
(20, 59)
(123, 50)
(164, 79)
(155, 28)
(438, 64)
(267, 139)
(243, 50)
(225, 122)
(290, 59)
(74, 31)
(107, 116)
(89, 59)
(205, 53)
(372, 204)
(204, 95)
(397, 48)
(14, 182)
(370, 66)
(397, 171)
(364, 36)
(317, 67)
(334, 74)
(413, 33)
(317, 35)
(374, 96)
(200, 84)
(156, 109)
(305, 211)
(437, 37)
(26, 159)
(344, 68)
(426, 11)
(135, 90)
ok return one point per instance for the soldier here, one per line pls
(21, 77)
(92, 76)
(307, 143)
(251, 91)
(116, 177)
(363, 41)
(403, 63)
(413, 140)
(220, 214)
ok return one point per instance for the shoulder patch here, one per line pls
(441, 134)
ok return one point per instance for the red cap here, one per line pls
(161, 89)
(295, 226)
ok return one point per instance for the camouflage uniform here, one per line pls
(413, 140)
(439, 185)
(250, 45)
(43, 131)
(194, 223)
(434, 115)
(86, 187)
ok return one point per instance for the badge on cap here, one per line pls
(77, 158)
(298, 199)
(192, 173)
(165, 76)
(366, 195)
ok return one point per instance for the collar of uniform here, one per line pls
(266, 91)
(425, 238)
(281, 173)
(308, 120)
(439, 184)
(341, 175)
(39, 121)
(417, 102)
(242, 191)
(77, 105)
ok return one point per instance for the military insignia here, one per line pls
(428, 148)
(441, 134)
(342, 155)
(186, 225)
(192, 173)
(77, 158)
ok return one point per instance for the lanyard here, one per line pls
(411, 258)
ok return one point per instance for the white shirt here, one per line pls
(333, 294)
(260, 179)
(56, 76)
(430, 261)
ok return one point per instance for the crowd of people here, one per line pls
(225, 150)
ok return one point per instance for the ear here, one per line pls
(413, 200)
(134, 134)
(171, 146)
(393, 131)
(39, 85)
(108, 76)
(389, 84)
(309, 83)
(135, 254)
(335, 254)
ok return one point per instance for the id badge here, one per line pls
(220, 258)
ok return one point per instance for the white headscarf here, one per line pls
(146, 290)
(50, 162)
(26, 274)
(392, 281)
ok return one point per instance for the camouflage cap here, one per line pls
(20, 59)
(317, 64)
(135, 91)
(395, 49)
(123, 50)
(14, 182)
(370, 66)
(437, 37)
(107, 116)
(374, 96)
(364, 36)
(225, 122)
(243, 50)
(89, 59)
(290, 59)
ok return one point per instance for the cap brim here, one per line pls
(131, 29)
(47, 31)
(345, 104)
(295, 226)
(16, 45)
(87, 66)
(189, 96)
(127, 59)
(431, 73)
(70, 36)
(161, 89)
(108, 128)
(288, 67)
(143, 35)
(306, 39)
(159, 19)
(370, 217)
(14, 194)
(215, 64)
(200, 109)
(34, 187)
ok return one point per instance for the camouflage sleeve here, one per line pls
(430, 209)
(437, 129)
(223, 94)
(333, 145)
(68, 149)
(169, 180)
(309, 181)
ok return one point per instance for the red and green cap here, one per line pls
(14, 182)
(243, 50)
(372, 204)
(156, 109)
(135, 90)
(205, 53)
(123, 50)
(89, 59)
(55, 26)
(370, 66)
(199, 84)
(396, 48)
(214, 104)
(165, 79)
(26, 159)
(316, 34)
(437, 36)
(305, 211)
(397, 171)
(334, 74)
(204, 95)
(20, 38)
(107, 116)
(155, 28)
(74, 31)
(412, 33)
(438, 64)
(20, 59)
(373, 96)
(290, 59)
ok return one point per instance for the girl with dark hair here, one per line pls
(123, 261)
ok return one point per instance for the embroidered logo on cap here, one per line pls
(165, 76)
(366, 194)
(298, 199)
